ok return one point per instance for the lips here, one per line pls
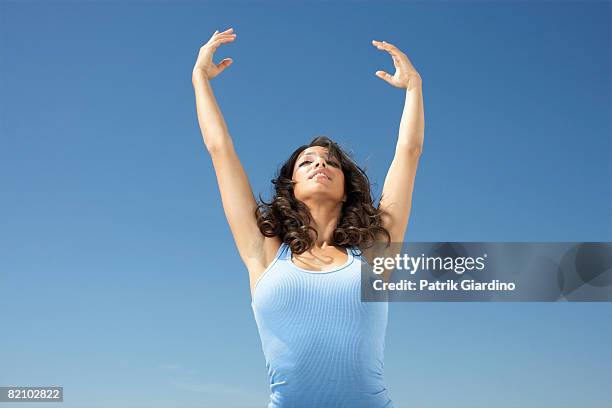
(324, 172)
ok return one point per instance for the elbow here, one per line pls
(215, 146)
(411, 149)
(416, 150)
(215, 139)
(212, 147)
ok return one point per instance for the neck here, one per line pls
(325, 217)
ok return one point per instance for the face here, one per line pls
(310, 183)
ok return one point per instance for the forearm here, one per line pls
(212, 125)
(412, 125)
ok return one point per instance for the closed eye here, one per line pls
(333, 163)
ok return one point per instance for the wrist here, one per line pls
(414, 83)
(199, 74)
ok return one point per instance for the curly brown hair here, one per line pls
(288, 218)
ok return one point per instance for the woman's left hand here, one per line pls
(405, 75)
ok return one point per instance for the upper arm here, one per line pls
(396, 198)
(239, 205)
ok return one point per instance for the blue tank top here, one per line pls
(323, 346)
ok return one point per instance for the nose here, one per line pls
(320, 161)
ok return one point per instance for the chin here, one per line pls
(319, 196)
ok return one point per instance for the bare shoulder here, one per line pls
(269, 249)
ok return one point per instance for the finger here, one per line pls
(384, 75)
(391, 49)
(220, 41)
(383, 45)
(389, 46)
(220, 36)
(226, 32)
(224, 36)
(224, 64)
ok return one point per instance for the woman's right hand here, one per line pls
(204, 63)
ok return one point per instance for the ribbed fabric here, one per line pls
(323, 347)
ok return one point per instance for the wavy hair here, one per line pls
(360, 223)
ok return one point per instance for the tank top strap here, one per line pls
(357, 253)
(283, 252)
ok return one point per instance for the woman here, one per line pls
(303, 250)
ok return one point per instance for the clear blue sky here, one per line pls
(119, 279)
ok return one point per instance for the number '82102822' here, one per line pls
(8, 394)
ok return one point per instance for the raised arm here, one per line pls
(399, 184)
(236, 194)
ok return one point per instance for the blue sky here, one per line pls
(119, 279)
